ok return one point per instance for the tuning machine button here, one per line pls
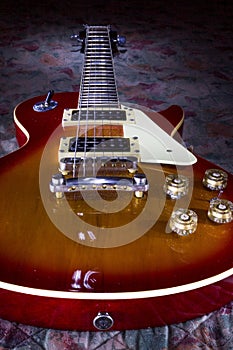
(183, 221)
(176, 186)
(215, 179)
(103, 321)
(220, 210)
(121, 40)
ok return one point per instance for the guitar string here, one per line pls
(95, 110)
(107, 86)
(97, 74)
(114, 80)
(109, 93)
(80, 104)
(93, 89)
(101, 53)
(87, 99)
(79, 115)
(94, 123)
(115, 85)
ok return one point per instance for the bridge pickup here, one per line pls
(99, 144)
(92, 147)
(138, 184)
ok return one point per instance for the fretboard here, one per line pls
(98, 85)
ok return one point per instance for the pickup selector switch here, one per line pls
(220, 211)
(47, 105)
(215, 179)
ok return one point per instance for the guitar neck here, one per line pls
(98, 84)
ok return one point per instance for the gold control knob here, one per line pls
(220, 211)
(183, 221)
(176, 186)
(215, 179)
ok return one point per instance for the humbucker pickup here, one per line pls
(98, 115)
(120, 163)
(92, 147)
(115, 114)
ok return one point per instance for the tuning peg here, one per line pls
(80, 40)
(121, 40)
(77, 38)
(74, 37)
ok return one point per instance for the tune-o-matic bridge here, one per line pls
(60, 184)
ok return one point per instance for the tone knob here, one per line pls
(176, 186)
(183, 221)
(220, 211)
(215, 179)
(103, 321)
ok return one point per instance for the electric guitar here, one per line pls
(107, 220)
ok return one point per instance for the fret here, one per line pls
(98, 73)
(97, 87)
(98, 93)
(94, 47)
(99, 90)
(110, 82)
(93, 57)
(101, 62)
(98, 57)
(98, 65)
(100, 82)
(94, 82)
(98, 98)
(99, 43)
(99, 76)
(99, 103)
(98, 60)
(96, 51)
(103, 46)
(93, 54)
(97, 35)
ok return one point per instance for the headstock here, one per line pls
(115, 39)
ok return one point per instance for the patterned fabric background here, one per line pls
(177, 52)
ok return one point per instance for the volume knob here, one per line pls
(215, 179)
(176, 186)
(183, 221)
(220, 211)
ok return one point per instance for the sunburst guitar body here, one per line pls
(107, 220)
